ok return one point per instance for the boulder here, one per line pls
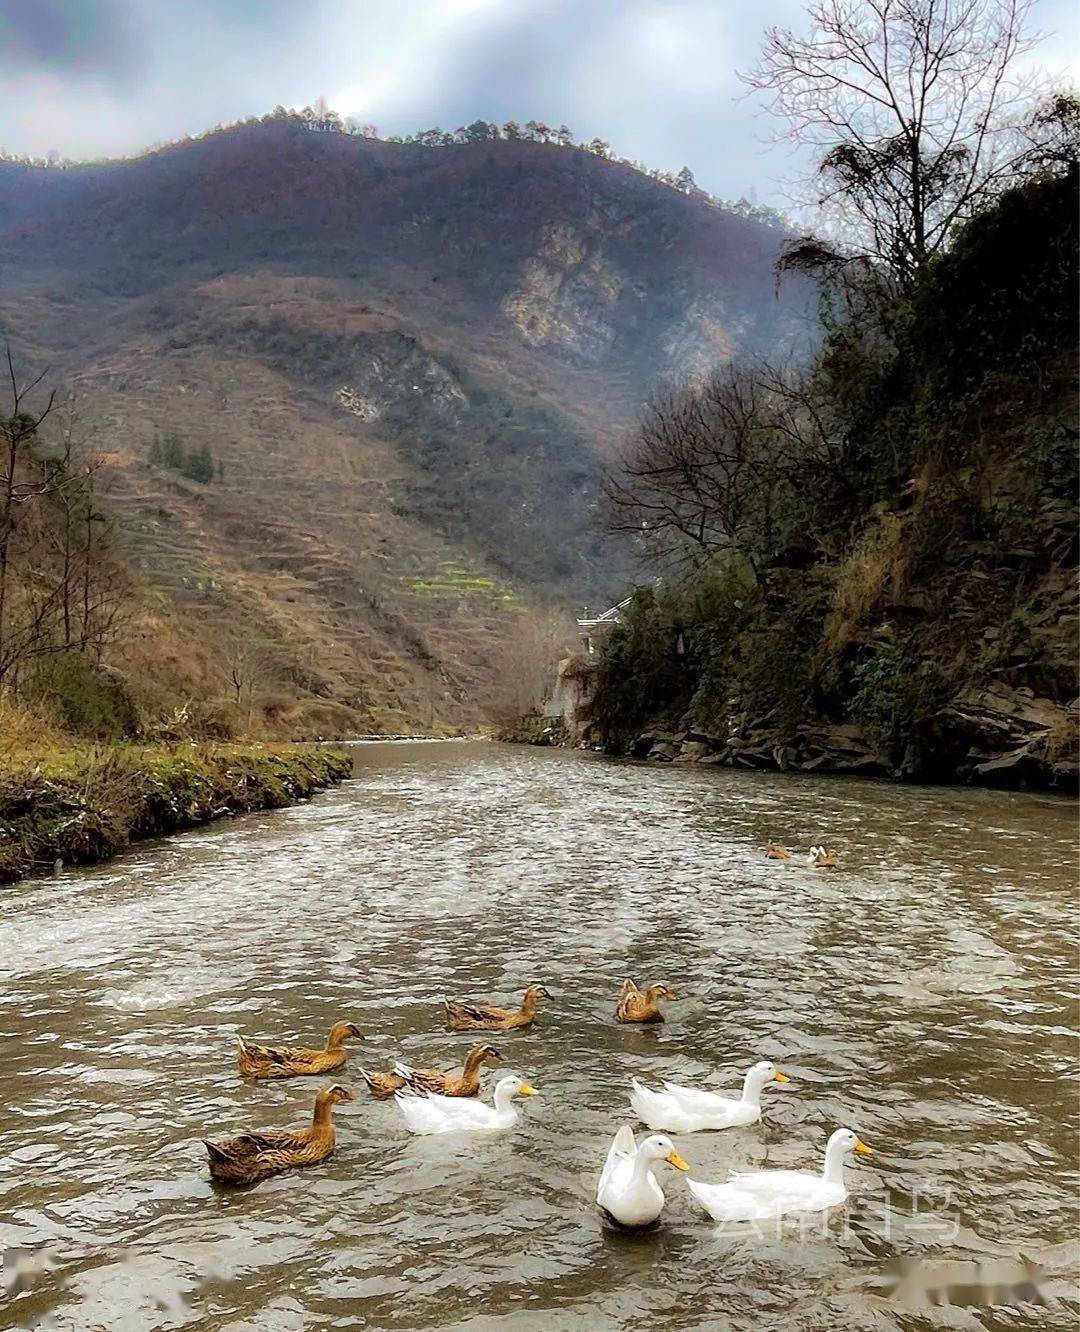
(647, 741)
(693, 751)
(1007, 737)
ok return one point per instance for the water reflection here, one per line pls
(921, 995)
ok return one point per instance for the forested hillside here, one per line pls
(882, 551)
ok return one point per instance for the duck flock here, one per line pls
(433, 1101)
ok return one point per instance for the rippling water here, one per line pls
(922, 994)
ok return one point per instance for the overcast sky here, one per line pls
(102, 77)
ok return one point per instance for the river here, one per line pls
(922, 994)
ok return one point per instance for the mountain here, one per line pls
(403, 369)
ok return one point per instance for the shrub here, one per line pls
(879, 703)
(640, 673)
(167, 451)
(197, 464)
(775, 681)
(874, 564)
(83, 697)
(892, 695)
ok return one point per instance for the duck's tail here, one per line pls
(409, 1093)
(381, 1085)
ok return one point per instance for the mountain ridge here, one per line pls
(421, 357)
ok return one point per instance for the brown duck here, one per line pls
(486, 1017)
(255, 1156)
(267, 1061)
(641, 1006)
(774, 852)
(384, 1085)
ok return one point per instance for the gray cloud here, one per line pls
(655, 77)
(86, 40)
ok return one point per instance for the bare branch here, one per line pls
(914, 110)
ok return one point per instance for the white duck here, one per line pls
(687, 1110)
(432, 1113)
(762, 1194)
(819, 858)
(628, 1190)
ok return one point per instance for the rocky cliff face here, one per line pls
(990, 737)
(568, 297)
(392, 371)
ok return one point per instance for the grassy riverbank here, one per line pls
(84, 804)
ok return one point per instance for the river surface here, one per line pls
(922, 994)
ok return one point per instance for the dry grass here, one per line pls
(26, 731)
(877, 563)
(1063, 741)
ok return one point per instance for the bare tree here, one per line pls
(19, 483)
(916, 113)
(247, 662)
(524, 664)
(61, 586)
(746, 461)
(83, 529)
(701, 474)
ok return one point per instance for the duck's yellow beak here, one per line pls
(526, 1090)
(673, 1158)
(781, 1077)
(861, 1146)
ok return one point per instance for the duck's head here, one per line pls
(659, 1147)
(845, 1140)
(335, 1094)
(765, 1072)
(344, 1031)
(535, 992)
(514, 1086)
(485, 1054)
(660, 991)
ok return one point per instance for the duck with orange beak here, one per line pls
(430, 1113)
(628, 1192)
(687, 1110)
(762, 1195)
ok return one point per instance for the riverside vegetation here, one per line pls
(869, 561)
(85, 803)
(903, 600)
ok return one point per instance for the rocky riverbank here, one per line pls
(992, 737)
(85, 804)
